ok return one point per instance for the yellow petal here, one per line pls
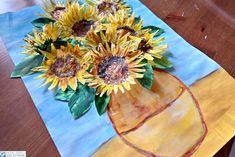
(158, 40)
(41, 76)
(47, 81)
(138, 70)
(54, 83)
(126, 85)
(40, 68)
(148, 56)
(121, 88)
(109, 91)
(53, 49)
(73, 83)
(136, 75)
(81, 79)
(47, 55)
(63, 84)
(115, 87)
(104, 90)
(131, 80)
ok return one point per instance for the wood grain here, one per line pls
(207, 25)
(21, 127)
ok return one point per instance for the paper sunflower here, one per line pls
(64, 67)
(106, 7)
(54, 10)
(41, 40)
(110, 34)
(151, 48)
(114, 68)
(78, 20)
(125, 23)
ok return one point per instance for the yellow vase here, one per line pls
(163, 121)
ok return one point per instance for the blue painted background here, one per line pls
(82, 137)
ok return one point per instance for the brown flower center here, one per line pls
(81, 28)
(65, 67)
(124, 30)
(113, 70)
(144, 46)
(58, 12)
(107, 8)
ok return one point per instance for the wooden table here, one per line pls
(208, 25)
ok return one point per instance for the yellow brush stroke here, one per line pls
(216, 96)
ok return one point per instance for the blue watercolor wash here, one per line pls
(83, 137)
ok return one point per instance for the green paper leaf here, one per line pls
(162, 63)
(80, 2)
(147, 80)
(137, 19)
(40, 22)
(101, 103)
(24, 67)
(81, 101)
(59, 43)
(46, 46)
(30, 33)
(130, 9)
(75, 42)
(64, 96)
(154, 29)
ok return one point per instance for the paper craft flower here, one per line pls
(78, 20)
(113, 67)
(92, 51)
(152, 48)
(106, 7)
(54, 10)
(125, 23)
(38, 41)
(109, 34)
(64, 67)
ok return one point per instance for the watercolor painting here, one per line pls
(173, 118)
(166, 121)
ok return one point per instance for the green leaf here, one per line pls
(130, 9)
(46, 46)
(154, 29)
(162, 63)
(101, 103)
(75, 42)
(40, 22)
(64, 96)
(30, 33)
(137, 19)
(147, 80)
(24, 67)
(80, 2)
(59, 43)
(81, 101)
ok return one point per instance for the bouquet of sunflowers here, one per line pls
(88, 51)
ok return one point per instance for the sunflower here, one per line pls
(106, 7)
(41, 40)
(151, 48)
(54, 10)
(110, 35)
(78, 20)
(64, 67)
(125, 23)
(114, 68)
